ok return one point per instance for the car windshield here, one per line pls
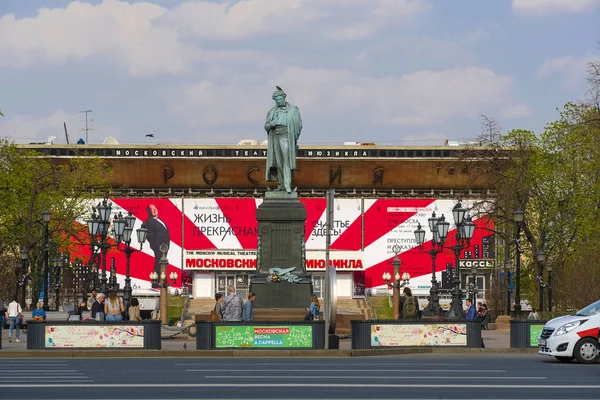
(590, 310)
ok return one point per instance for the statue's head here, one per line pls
(279, 96)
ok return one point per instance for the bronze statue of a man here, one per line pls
(283, 127)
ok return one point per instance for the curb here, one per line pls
(249, 353)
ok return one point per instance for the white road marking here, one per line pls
(357, 364)
(35, 371)
(275, 369)
(371, 377)
(302, 385)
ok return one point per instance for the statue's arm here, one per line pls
(269, 123)
(299, 123)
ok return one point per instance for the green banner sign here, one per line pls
(534, 334)
(264, 336)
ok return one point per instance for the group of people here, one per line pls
(232, 307)
(13, 313)
(476, 314)
(110, 308)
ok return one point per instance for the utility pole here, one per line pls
(86, 124)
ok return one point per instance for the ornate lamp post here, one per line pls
(541, 257)
(142, 234)
(58, 264)
(433, 308)
(518, 215)
(507, 269)
(464, 232)
(398, 282)
(549, 269)
(46, 215)
(98, 226)
(474, 282)
(163, 283)
(24, 257)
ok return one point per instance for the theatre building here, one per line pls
(207, 196)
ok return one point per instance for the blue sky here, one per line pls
(403, 72)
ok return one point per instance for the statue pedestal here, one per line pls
(281, 219)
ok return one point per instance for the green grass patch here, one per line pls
(174, 307)
(381, 307)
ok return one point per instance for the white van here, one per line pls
(572, 336)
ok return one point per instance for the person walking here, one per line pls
(232, 306)
(14, 313)
(248, 308)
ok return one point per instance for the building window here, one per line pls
(238, 281)
(319, 286)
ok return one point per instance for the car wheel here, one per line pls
(564, 359)
(586, 350)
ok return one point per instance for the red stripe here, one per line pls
(379, 222)
(315, 208)
(168, 212)
(589, 333)
(241, 214)
(350, 239)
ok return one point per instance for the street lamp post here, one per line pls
(507, 269)
(163, 283)
(549, 269)
(142, 234)
(464, 232)
(58, 264)
(24, 257)
(474, 282)
(518, 215)
(541, 257)
(46, 215)
(399, 281)
(98, 226)
(433, 308)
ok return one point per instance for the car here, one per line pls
(572, 336)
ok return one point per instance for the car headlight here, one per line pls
(566, 328)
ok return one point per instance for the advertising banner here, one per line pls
(390, 222)
(535, 331)
(243, 260)
(294, 336)
(230, 224)
(419, 335)
(94, 336)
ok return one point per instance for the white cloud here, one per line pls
(147, 39)
(26, 129)
(121, 31)
(420, 98)
(572, 69)
(545, 7)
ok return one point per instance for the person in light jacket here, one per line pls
(248, 309)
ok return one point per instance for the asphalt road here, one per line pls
(424, 376)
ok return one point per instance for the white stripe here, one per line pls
(275, 369)
(370, 377)
(300, 364)
(303, 385)
(37, 371)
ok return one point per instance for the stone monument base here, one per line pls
(281, 294)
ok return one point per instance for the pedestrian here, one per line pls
(3, 315)
(232, 306)
(98, 307)
(533, 315)
(14, 314)
(113, 307)
(410, 308)
(38, 314)
(134, 310)
(314, 309)
(217, 313)
(248, 308)
(91, 299)
(471, 311)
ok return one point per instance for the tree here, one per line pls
(31, 183)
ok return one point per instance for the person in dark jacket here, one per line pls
(98, 306)
(248, 308)
(471, 311)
